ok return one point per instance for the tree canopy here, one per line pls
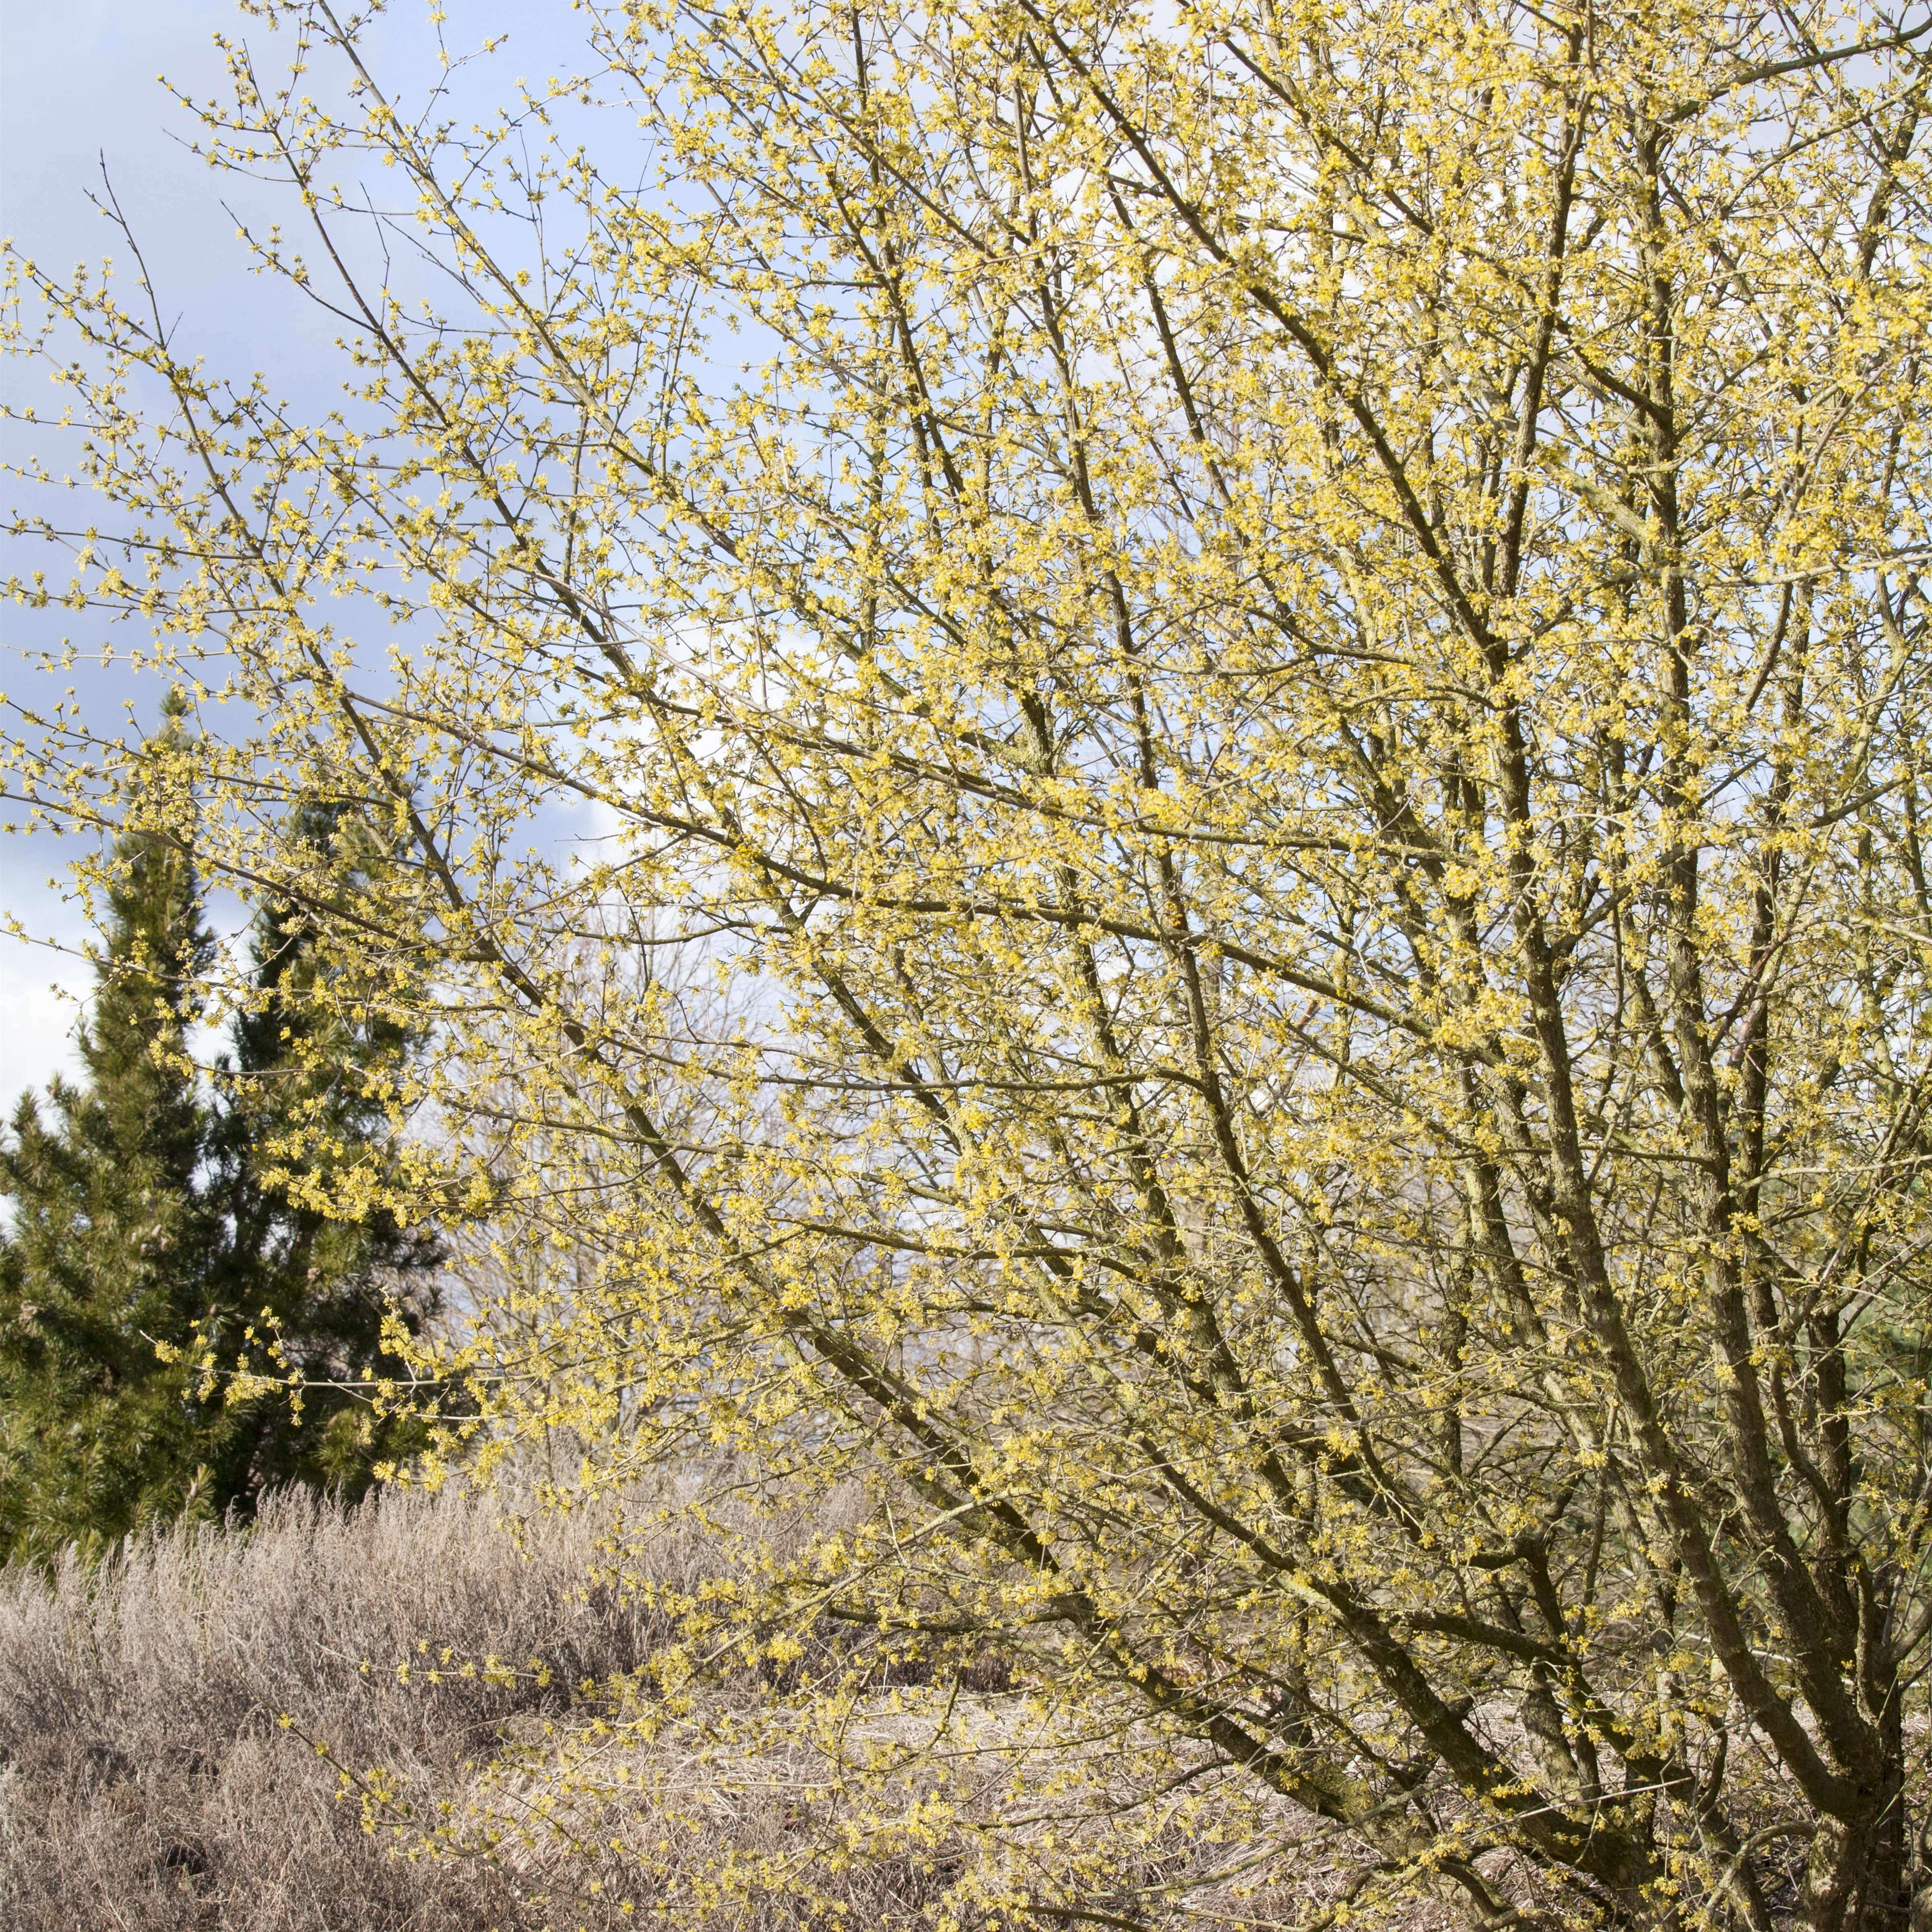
(1274, 657)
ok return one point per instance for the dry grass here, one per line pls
(146, 1782)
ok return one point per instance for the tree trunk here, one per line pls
(1856, 1879)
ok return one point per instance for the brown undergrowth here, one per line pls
(145, 1780)
(401, 1718)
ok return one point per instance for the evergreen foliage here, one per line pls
(146, 1212)
(298, 1107)
(111, 1235)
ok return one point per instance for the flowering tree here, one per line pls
(1291, 685)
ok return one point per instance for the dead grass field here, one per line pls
(145, 1781)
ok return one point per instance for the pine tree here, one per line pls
(109, 1249)
(145, 1212)
(298, 1105)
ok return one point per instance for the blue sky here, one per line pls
(78, 89)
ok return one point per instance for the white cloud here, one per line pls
(41, 992)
